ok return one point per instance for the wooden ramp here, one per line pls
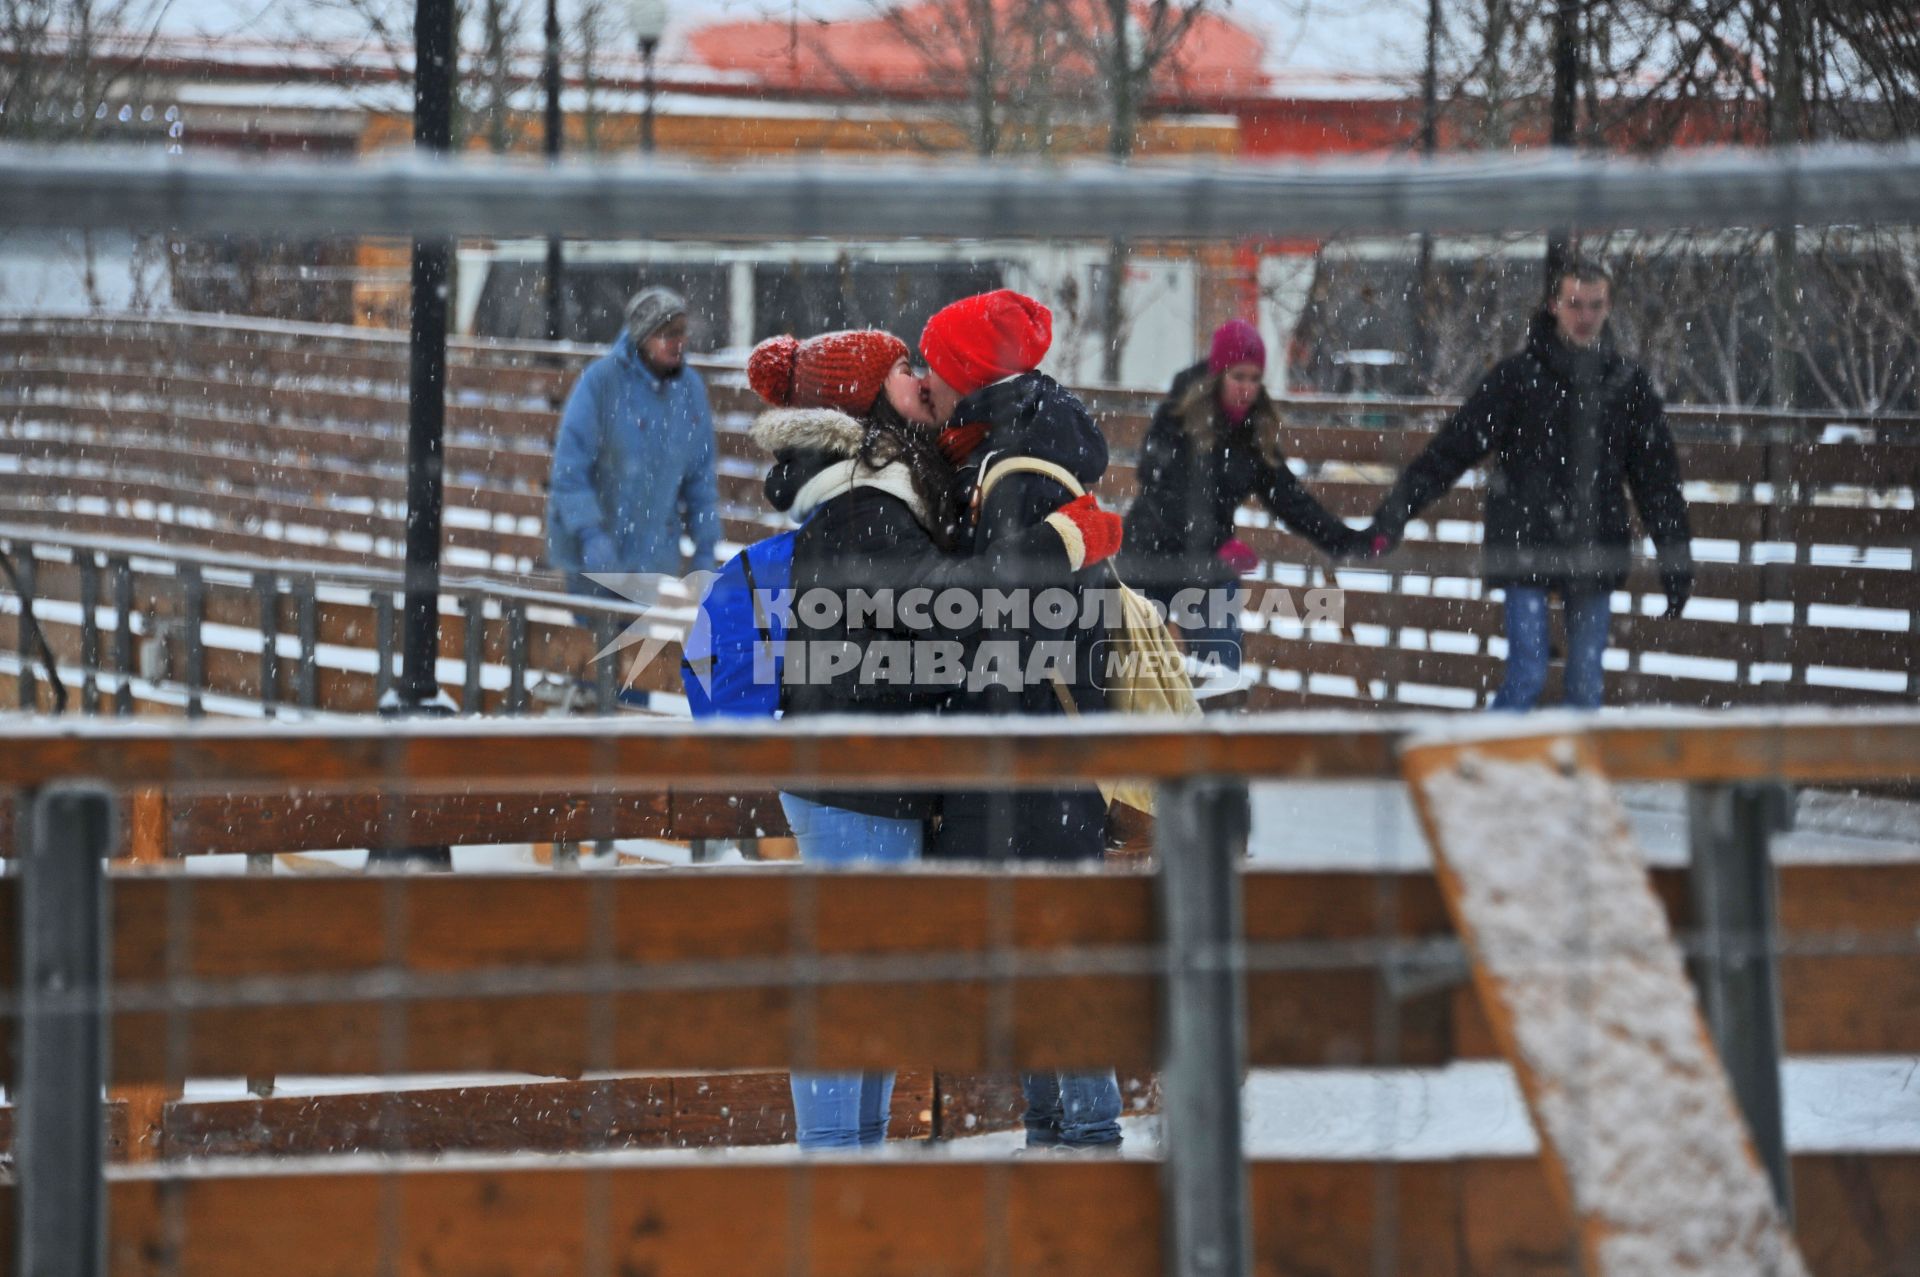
(1585, 990)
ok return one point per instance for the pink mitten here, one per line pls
(1239, 556)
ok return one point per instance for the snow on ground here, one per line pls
(1354, 825)
(1468, 1109)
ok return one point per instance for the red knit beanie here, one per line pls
(845, 370)
(983, 339)
(1236, 342)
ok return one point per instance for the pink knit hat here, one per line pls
(1236, 342)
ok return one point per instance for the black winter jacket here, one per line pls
(1570, 432)
(867, 531)
(1030, 416)
(1189, 491)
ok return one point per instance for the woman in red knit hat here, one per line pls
(1215, 442)
(856, 462)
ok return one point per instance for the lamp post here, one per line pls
(649, 21)
(550, 74)
(1563, 115)
(418, 691)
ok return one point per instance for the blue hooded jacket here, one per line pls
(633, 459)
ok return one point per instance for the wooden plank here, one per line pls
(733, 1110)
(250, 511)
(255, 824)
(266, 472)
(1488, 1217)
(701, 1014)
(1588, 997)
(1062, 1219)
(1795, 745)
(1317, 994)
(470, 457)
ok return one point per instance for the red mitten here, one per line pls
(1090, 533)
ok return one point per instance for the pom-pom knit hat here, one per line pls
(844, 370)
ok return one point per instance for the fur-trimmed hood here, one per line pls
(826, 430)
(816, 458)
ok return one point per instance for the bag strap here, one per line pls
(760, 622)
(996, 470)
(1065, 697)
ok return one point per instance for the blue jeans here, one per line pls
(1588, 619)
(845, 1110)
(1071, 1110)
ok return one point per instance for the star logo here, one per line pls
(672, 610)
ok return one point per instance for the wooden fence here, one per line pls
(215, 976)
(285, 441)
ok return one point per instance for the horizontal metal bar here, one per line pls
(343, 574)
(88, 187)
(1811, 744)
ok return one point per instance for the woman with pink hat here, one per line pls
(1215, 442)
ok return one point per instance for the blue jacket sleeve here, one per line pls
(576, 454)
(700, 489)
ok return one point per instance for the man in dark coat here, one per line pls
(982, 353)
(1573, 425)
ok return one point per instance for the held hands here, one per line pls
(1678, 584)
(1089, 533)
(1370, 542)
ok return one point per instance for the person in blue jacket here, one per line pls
(633, 463)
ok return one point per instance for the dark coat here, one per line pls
(1032, 416)
(1195, 471)
(1570, 434)
(871, 537)
(855, 537)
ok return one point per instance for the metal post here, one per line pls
(123, 633)
(1564, 112)
(1429, 144)
(29, 685)
(383, 643)
(267, 588)
(306, 675)
(474, 605)
(604, 691)
(89, 631)
(1736, 968)
(516, 621)
(648, 46)
(556, 123)
(193, 589)
(1198, 838)
(61, 1050)
(427, 387)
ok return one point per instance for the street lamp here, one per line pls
(555, 123)
(649, 21)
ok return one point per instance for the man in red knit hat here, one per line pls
(984, 386)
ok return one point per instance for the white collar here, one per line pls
(843, 477)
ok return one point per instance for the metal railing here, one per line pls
(69, 999)
(417, 195)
